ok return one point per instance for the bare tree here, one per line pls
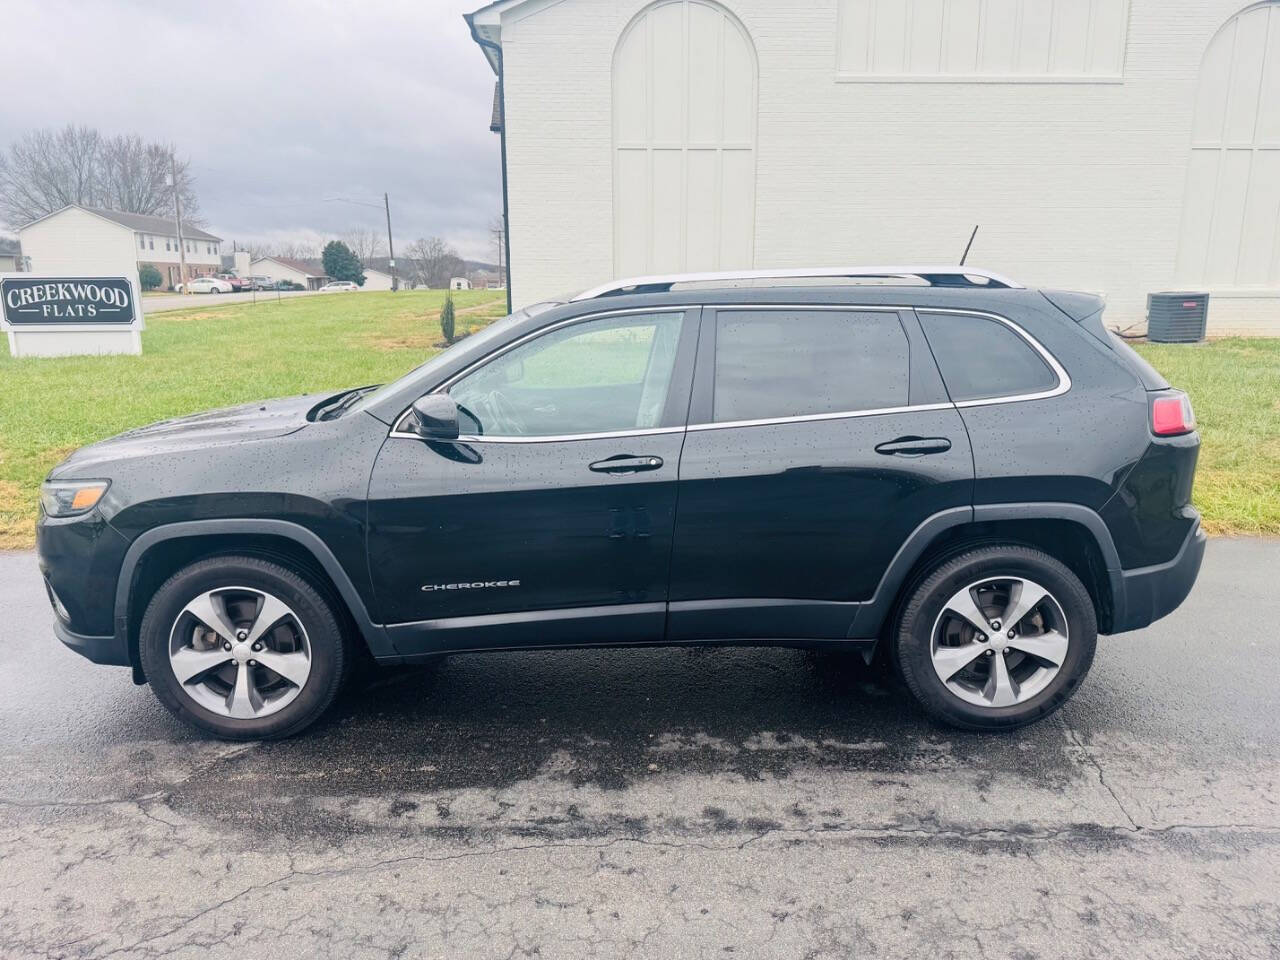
(47, 169)
(297, 250)
(135, 177)
(434, 262)
(364, 243)
(256, 251)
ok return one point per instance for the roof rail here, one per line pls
(942, 276)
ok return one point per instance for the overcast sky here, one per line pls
(278, 105)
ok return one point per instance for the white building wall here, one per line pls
(1077, 182)
(274, 270)
(77, 243)
(376, 280)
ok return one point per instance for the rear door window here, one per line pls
(983, 359)
(773, 364)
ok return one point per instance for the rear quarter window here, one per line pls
(984, 359)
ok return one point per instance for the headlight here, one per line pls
(68, 498)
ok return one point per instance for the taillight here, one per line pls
(1171, 414)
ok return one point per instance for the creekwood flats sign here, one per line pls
(78, 300)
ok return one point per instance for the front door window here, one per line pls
(601, 376)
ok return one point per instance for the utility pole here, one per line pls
(498, 231)
(391, 250)
(177, 219)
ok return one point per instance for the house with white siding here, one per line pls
(1117, 146)
(309, 274)
(376, 279)
(67, 241)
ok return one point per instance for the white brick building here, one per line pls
(1122, 146)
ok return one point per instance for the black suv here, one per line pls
(973, 475)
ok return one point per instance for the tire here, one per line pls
(931, 638)
(307, 644)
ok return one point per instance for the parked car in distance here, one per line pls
(934, 462)
(206, 285)
(339, 286)
(261, 283)
(237, 283)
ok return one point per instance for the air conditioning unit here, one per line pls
(1177, 317)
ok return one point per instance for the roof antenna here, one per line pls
(965, 255)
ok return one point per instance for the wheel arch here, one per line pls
(1072, 533)
(155, 555)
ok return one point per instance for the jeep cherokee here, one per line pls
(975, 476)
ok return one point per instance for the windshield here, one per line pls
(489, 334)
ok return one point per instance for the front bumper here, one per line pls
(80, 559)
(1146, 594)
(111, 651)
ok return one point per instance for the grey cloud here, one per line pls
(278, 104)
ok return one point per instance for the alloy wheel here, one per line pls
(999, 642)
(240, 652)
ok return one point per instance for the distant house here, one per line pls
(10, 255)
(403, 271)
(309, 274)
(67, 241)
(487, 280)
(376, 280)
(459, 283)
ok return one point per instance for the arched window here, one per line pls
(1231, 215)
(684, 138)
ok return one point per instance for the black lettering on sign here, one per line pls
(41, 300)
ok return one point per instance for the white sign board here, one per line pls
(70, 316)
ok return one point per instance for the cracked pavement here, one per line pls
(656, 803)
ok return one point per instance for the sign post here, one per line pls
(70, 316)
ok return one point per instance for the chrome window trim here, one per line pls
(1063, 385)
(804, 418)
(468, 438)
(1064, 379)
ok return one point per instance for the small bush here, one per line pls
(149, 277)
(447, 319)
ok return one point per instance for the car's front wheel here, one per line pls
(243, 648)
(997, 637)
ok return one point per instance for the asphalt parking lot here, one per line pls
(177, 301)
(657, 803)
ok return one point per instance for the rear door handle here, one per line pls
(914, 446)
(626, 464)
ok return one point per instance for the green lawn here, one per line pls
(216, 356)
(208, 357)
(1235, 390)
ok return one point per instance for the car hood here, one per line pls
(250, 421)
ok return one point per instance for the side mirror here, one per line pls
(434, 417)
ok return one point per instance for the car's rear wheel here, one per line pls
(243, 648)
(997, 637)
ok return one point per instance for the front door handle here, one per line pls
(624, 463)
(914, 446)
